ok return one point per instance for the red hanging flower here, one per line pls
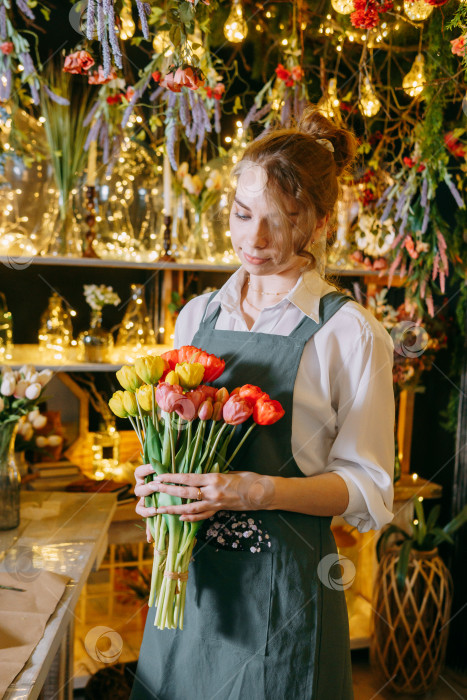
(454, 146)
(459, 46)
(114, 99)
(156, 76)
(7, 47)
(98, 77)
(78, 62)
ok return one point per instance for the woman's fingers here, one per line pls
(198, 516)
(160, 486)
(142, 472)
(142, 510)
(142, 489)
(188, 479)
(185, 508)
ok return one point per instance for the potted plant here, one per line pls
(412, 602)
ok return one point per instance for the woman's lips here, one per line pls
(255, 261)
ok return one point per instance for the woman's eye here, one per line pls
(242, 217)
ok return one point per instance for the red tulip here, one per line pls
(252, 393)
(222, 395)
(267, 411)
(237, 410)
(209, 392)
(205, 411)
(197, 396)
(217, 411)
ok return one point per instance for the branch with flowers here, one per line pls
(184, 426)
(202, 189)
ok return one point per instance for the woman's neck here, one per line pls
(272, 285)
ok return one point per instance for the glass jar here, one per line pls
(105, 451)
(9, 477)
(136, 330)
(6, 330)
(56, 330)
(95, 344)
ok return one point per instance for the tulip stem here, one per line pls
(214, 447)
(140, 412)
(172, 447)
(155, 420)
(248, 432)
(199, 434)
(137, 431)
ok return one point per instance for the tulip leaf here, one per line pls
(152, 443)
(402, 566)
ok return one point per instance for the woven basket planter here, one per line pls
(410, 626)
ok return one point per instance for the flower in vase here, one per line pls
(150, 368)
(214, 181)
(37, 419)
(8, 385)
(99, 296)
(78, 62)
(237, 410)
(33, 391)
(116, 404)
(129, 403)
(144, 397)
(193, 184)
(128, 378)
(190, 374)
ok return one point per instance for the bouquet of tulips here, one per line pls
(185, 426)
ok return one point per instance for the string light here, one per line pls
(369, 103)
(162, 44)
(128, 26)
(344, 7)
(417, 10)
(415, 80)
(329, 103)
(235, 28)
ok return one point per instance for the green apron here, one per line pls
(259, 623)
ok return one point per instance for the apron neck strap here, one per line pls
(210, 321)
(328, 305)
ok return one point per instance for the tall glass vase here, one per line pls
(96, 344)
(199, 243)
(9, 477)
(65, 237)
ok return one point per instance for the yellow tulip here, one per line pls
(190, 374)
(150, 368)
(172, 378)
(144, 396)
(128, 378)
(116, 405)
(129, 403)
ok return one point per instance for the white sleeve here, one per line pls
(189, 319)
(363, 450)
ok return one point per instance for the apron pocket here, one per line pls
(229, 599)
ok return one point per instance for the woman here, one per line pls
(265, 615)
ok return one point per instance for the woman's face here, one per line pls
(252, 221)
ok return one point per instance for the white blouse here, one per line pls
(343, 399)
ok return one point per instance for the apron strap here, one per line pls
(328, 305)
(210, 322)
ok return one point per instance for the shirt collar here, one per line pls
(305, 295)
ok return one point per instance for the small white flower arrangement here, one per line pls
(99, 296)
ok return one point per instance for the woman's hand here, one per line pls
(234, 490)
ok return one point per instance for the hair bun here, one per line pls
(318, 126)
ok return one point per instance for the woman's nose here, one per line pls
(258, 236)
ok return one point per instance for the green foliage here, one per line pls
(426, 535)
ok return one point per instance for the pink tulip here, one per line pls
(197, 396)
(44, 377)
(163, 393)
(205, 410)
(236, 410)
(209, 392)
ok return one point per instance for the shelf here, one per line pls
(20, 263)
(31, 354)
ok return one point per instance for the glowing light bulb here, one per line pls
(369, 103)
(415, 80)
(329, 103)
(162, 44)
(128, 26)
(344, 7)
(417, 10)
(235, 28)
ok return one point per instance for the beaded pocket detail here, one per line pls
(229, 529)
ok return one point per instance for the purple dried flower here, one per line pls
(154, 95)
(93, 133)
(56, 98)
(250, 117)
(387, 210)
(424, 196)
(34, 91)
(171, 132)
(104, 143)
(100, 20)
(25, 9)
(5, 85)
(90, 19)
(88, 118)
(217, 117)
(296, 101)
(113, 37)
(286, 110)
(426, 219)
(185, 116)
(3, 22)
(455, 192)
(383, 196)
(29, 68)
(142, 10)
(130, 106)
(262, 113)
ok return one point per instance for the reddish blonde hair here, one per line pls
(300, 168)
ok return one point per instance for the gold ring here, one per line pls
(200, 495)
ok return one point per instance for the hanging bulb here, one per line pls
(344, 7)
(329, 103)
(128, 26)
(369, 103)
(415, 80)
(162, 44)
(235, 28)
(417, 10)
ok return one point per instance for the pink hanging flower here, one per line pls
(78, 62)
(297, 73)
(459, 46)
(237, 410)
(7, 47)
(98, 77)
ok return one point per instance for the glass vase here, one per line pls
(56, 330)
(66, 236)
(6, 330)
(9, 477)
(199, 244)
(136, 330)
(105, 451)
(96, 344)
